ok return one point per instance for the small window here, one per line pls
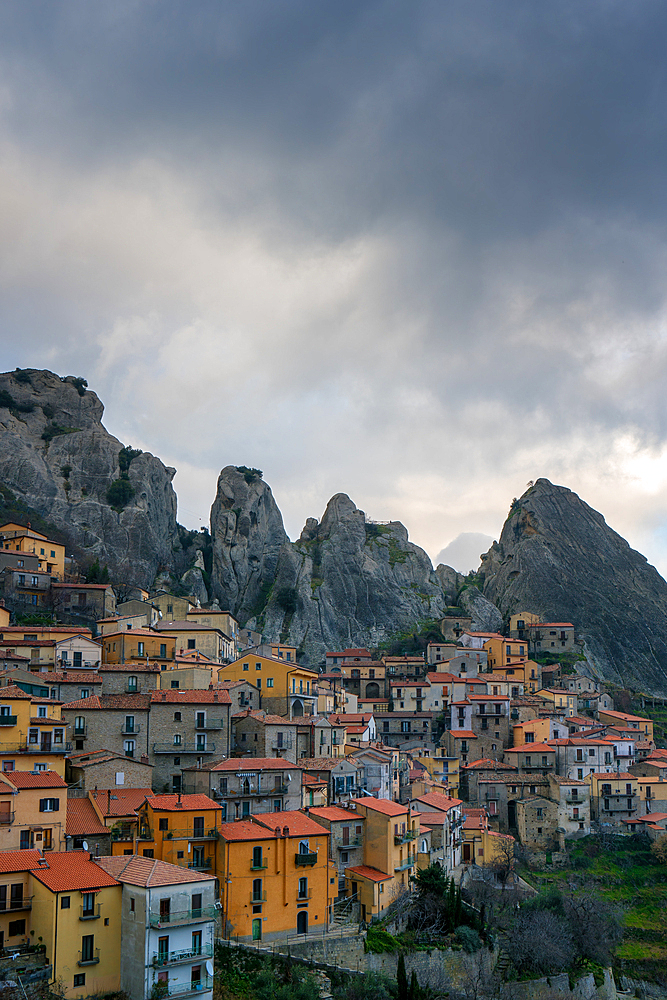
(163, 824)
(64, 902)
(79, 979)
(177, 716)
(269, 682)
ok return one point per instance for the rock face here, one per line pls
(65, 475)
(485, 616)
(343, 583)
(247, 535)
(557, 557)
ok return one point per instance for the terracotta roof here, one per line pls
(244, 829)
(82, 819)
(383, 806)
(18, 861)
(82, 586)
(217, 697)
(30, 779)
(613, 775)
(363, 871)
(432, 818)
(178, 803)
(261, 716)
(102, 757)
(489, 697)
(148, 872)
(12, 693)
(5, 654)
(131, 632)
(120, 801)
(72, 870)
(298, 824)
(309, 779)
(320, 763)
(130, 668)
(466, 734)
(438, 801)
(437, 678)
(248, 764)
(70, 677)
(623, 716)
(488, 764)
(334, 813)
(110, 702)
(530, 747)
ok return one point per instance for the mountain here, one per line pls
(556, 556)
(345, 582)
(109, 502)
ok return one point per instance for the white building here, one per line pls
(167, 928)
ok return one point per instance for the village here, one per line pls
(169, 779)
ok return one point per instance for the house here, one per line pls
(32, 810)
(244, 787)
(537, 823)
(533, 758)
(557, 637)
(187, 728)
(275, 876)
(137, 607)
(118, 808)
(378, 771)
(477, 785)
(94, 600)
(346, 839)
(139, 645)
(189, 671)
(243, 693)
(441, 652)
(391, 832)
(129, 678)
(314, 737)
(453, 626)
(51, 554)
(614, 798)
(222, 620)
(78, 652)
(574, 807)
(171, 608)
(256, 734)
(16, 896)
(38, 642)
(76, 912)
(477, 640)
(564, 702)
(106, 769)
(168, 921)
(118, 722)
(344, 776)
(85, 829)
(442, 813)
(33, 733)
(519, 624)
(480, 845)
(194, 636)
(395, 728)
(180, 829)
(638, 722)
(404, 667)
(285, 688)
(125, 623)
(539, 730)
(579, 756)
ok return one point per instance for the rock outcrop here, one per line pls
(57, 457)
(557, 557)
(247, 535)
(485, 616)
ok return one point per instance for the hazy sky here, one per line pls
(414, 252)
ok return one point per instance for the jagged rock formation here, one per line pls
(247, 535)
(57, 457)
(556, 556)
(451, 582)
(485, 616)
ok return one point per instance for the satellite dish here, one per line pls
(85, 845)
(209, 967)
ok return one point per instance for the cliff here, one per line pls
(108, 502)
(556, 556)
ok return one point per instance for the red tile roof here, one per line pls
(18, 861)
(249, 764)
(120, 801)
(12, 692)
(122, 702)
(82, 820)
(28, 779)
(383, 806)
(219, 697)
(363, 871)
(334, 814)
(72, 870)
(439, 801)
(244, 829)
(142, 871)
(298, 824)
(179, 803)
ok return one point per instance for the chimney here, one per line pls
(164, 696)
(215, 696)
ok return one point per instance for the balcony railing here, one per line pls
(130, 730)
(6, 818)
(281, 744)
(181, 989)
(406, 864)
(24, 903)
(302, 897)
(200, 866)
(343, 845)
(210, 724)
(91, 957)
(262, 792)
(183, 748)
(192, 834)
(8, 720)
(161, 958)
(575, 800)
(258, 897)
(309, 858)
(125, 833)
(89, 913)
(257, 868)
(404, 838)
(81, 732)
(176, 917)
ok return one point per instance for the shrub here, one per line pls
(80, 385)
(468, 938)
(119, 493)
(250, 475)
(286, 598)
(21, 376)
(54, 430)
(65, 471)
(6, 399)
(126, 456)
(48, 411)
(379, 941)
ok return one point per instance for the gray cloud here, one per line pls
(413, 252)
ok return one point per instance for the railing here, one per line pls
(24, 903)
(6, 818)
(404, 838)
(281, 745)
(89, 913)
(306, 859)
(211, 724)
(406, 864)
(83, 731)
(176, 917)
(91, 957)
(179, 989)
(126, 833)
(193, 834)
(183, 748)
(173, 957)
(8, 720)
(352, 842)
(130, 730)
(575, 800)
(258, 897)
(256, 868)
(303, 896)
(133, 689)
(145, 833)
(200, 866)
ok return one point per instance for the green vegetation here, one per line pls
(14, 509)
(48, 411)
(8, 401)
(80, 385)
(55, 430)
(119, 493)
(21, 376)
(97, 574)
(126, 456)
(374, 531)
(412, 642)
(250, 475)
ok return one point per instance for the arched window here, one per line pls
(302, 922)
(424, 846)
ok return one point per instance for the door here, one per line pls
(466, 852)
(257, 929)
(198, 826)
(198, 857)
(45, 743)
(162, 949)
(302, 922)
(165, 910)
(196, 942)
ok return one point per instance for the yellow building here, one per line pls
(285, 688)
(644, 726)
(172, 607)
(390, 854)
(531, 731)
(520, 623)
(179, 829)
(481, 846)
(43, 645)
(33, 811)
(51, 555)
(441, 768)
(223, 620)
(138, 644)
(32, 733)
(275, 876)
(76, 913)
(15, 896)
(564, 702)
(505, 653)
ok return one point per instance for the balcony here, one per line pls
(404, 838)
(183, 748)
(210, 724)
(133, 689)
(303, 897)
(194, 834)
(24, 903)
(618, 807)
(125, 833)
(575, 800)
(260, 867)
(130, 730)
(264, 793)
(89, 913)
(91, 957)
(177, 917)
(8, 720)
(145, 833)
(406, 864)
(309, 858)
(6, 818)
(182, 989)
(81, 733)
(200, 866)
(343, 845)
(161, 958)
(258, 897)
(281, 744)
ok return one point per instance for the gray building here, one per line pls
(257, 734)
(247, 786)
(395, 728)
(129, 678)
(187, 728)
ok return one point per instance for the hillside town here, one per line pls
(170, 779)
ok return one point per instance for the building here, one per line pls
(343, 777)
(171, 608)
(106, 769)
(346, 839)
(557, 637)
(51, 555)
(256, 734)
(167, 928)
(197, 637)
(92, 600)
(118, 722)
(187, 728)
(32, 810)
(533, 758)
(118, 808)
(378, 774)
(614, 798)
(391, 833)
(180, 829)
(76, 913)
(442, 813)
(404, 667)
(480, 845)
(32, 733)
(244, 787)
(275, 876)
(129, 678)
(16, 896)
(85, 829)
(396, 728)
(222, 620)
(519, 624)
(564, 702)
(645, 726)
(537, 823)
(285, 688)
(574, 806)
(140, 645)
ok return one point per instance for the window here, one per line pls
(178, 739)
(41, 711)
(49, 805)
(16, 927)
(129, 747)
(79, 979)
(79, 725)
(192, 643)
(120, 777)
(88, 904)
(163, 651)
(64, 902)
(129, 723)
(175, 685)
(177, 761)
(200, 720)
(258, 666)
(245, 666)
(269, 682)
(85, 692)
(132, 683)
(87, 947)
(163, 824)
(177, 716)
(140, 648)
(303, 888)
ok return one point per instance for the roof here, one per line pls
(373, 874)
(298, 823)
(623, 716)
(12, 692)
(321, 763)
(310, 779)
(148, 872)
(72, 870)
(70, 677)
(529, 747)
(245, 829)
(178, 802)
(104, 757)
(439, 801)
(466, 734)
(102, 702)
(488, 764)
(432, 818)
(333, 813)
(249, 764)
(120, 801)
(130, 668)
(82, 819)
(18, 861)
(613, 775)
(28, 779)
(383, 806)
(218, 697)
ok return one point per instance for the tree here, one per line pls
(659, 849)
(402, 978)
(503, 861)
(539, 941)
(595, 925)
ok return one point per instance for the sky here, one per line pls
(412, 252)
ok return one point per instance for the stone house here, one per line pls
(537, 823)
(395, 728)
(461, 743)
(344, 776)
(191, 635)
(490, 722)
(247, 787)
(314, 737)
(118, 722)
(533, 758)
(134, 607)
(104, 769)
(257, 734)
(243, 694)
(379, 774)
(453, 626)
(404, 667)
(346, 839)
(84, 826)
(614, 798)
(129, 678)
(556, 637)
(574, 806)
(170, 607)
(440, 652)
(187, 728)
(137, 646)
(96, 600)
(579, 756)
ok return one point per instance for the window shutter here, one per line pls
(55, 805)
(42, 805)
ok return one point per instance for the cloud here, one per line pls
(463, 552)
(415, 253)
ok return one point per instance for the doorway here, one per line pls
(257, 929)
(302, 922)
